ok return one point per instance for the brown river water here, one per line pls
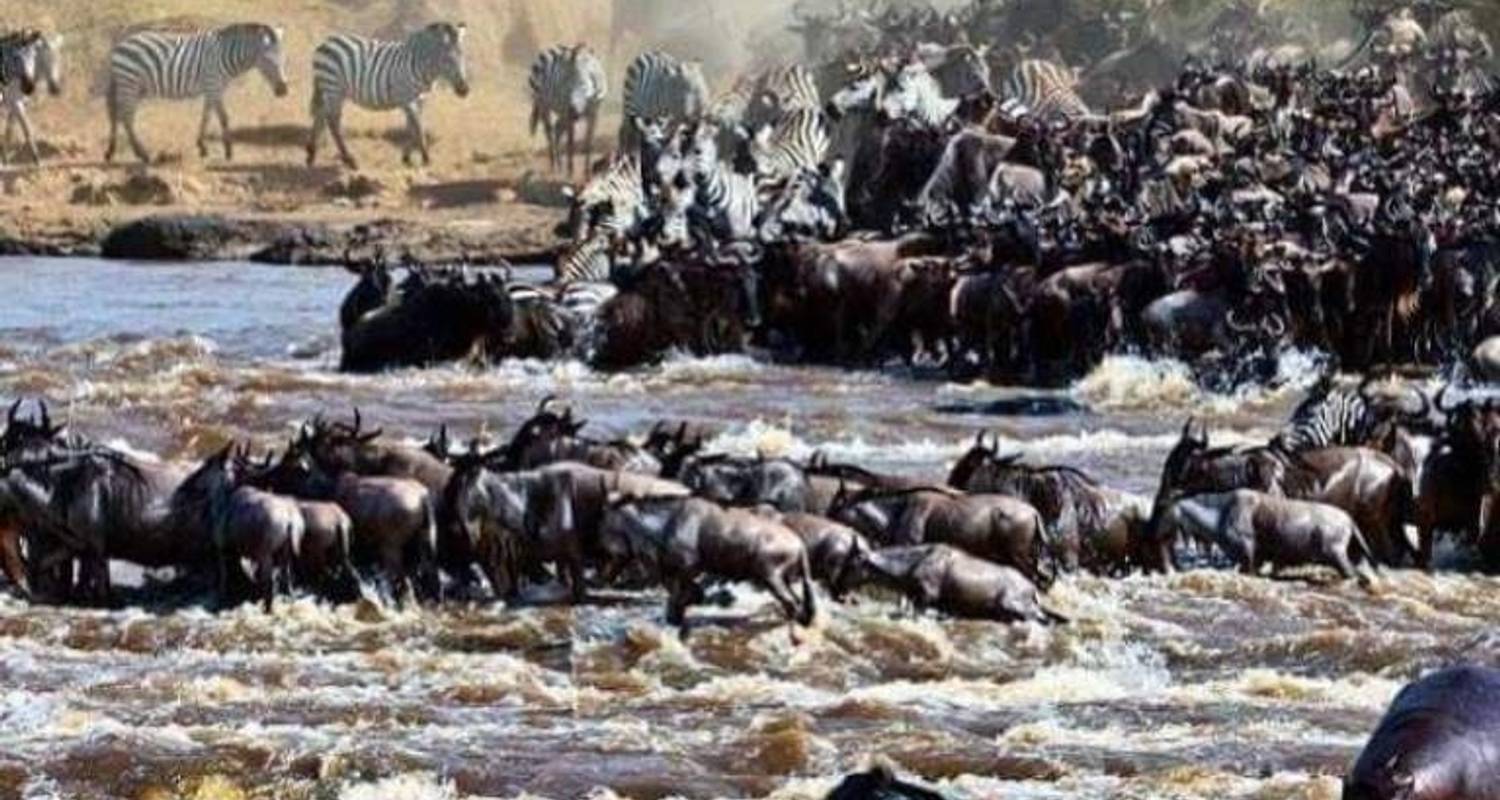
(1201, 685)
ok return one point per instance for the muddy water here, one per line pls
(1199, 685)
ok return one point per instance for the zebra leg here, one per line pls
(135, 139)
(10, 124)
(336, 127)
(114, 121)
(572, 124)
(223, 114)
(26, 132)
(551, 141)
(418, 136)
(208, 110)
(591, 120)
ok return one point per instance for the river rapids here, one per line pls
(1201, 685)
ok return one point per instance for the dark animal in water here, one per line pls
(1439, 740)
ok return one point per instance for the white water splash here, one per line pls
(1136, 383)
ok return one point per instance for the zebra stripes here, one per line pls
(175, 67)
(567, 86)
(658, 85)
(1045, 90)
(779, 92)
(612, 202)
(800, 141)
(1329, 417)
(26, 57)
(384, 75)
(588, 261)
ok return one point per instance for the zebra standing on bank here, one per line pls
(658, 86)
(178, 67)
(384, 75)
(1042, 89)
(27, 57)
(567, 86)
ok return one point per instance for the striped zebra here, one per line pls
(567, 86)
(179, 67)
(1330, 416)
(721, 205)
(384, 75)
(779, 92)
(612, 202)
(1042, 89)
(588, 261)
(658, 86)
(800, 141)
(913, 94)
(27, 57)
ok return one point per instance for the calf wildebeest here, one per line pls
(1002, 529)
(1439, 740)
(684, 539)
(1255, 529)
(394, 519)
(1095, 527)
(321, 559)
(253, 530)
(951, 581)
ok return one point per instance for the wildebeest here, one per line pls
(394, 519)
(684, 539)
(952, 581)
(1439, 740)
(253, 530)
(998, 528)
(1097, 528)
(1255, 529)
(549, 437)
(832, 547)
(428, 320)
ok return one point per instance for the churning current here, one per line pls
(1206, 684)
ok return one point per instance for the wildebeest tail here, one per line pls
(809, 597)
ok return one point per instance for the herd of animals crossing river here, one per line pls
(1005, 593)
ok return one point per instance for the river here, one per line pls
(1199, 685)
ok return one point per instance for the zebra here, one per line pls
(779, 92)
(1045, 90)
(613, 202)
(912, 93)
(799, 141)
(18, 80)
(588, 261)
(658, 86)
(567, 85)
(384, 75)
(178, 67)
(1330, 416)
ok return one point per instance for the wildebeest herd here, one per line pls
(917, 191)
(345, 511)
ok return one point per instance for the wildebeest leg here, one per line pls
(681, 591)
(1425, 536)
(265, 582)
(775, 583)
(10, 557)
(576, 583)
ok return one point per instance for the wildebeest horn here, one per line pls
(15, 408)
(542, 407)
(1444, 393)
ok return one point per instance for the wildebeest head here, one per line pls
(29, 434)
(545, 428)
(979, 457)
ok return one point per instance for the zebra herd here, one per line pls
(371, 73)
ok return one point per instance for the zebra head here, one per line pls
(253, 45)
(588, 84)
(441, 46)
(861, 93)
(695, 95)
(19, 51)
(911, 88)
(809, 207)
(49, 62)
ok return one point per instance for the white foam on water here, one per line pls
(408, 786)
(1137, 383)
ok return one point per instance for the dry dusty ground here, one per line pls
(482, 150)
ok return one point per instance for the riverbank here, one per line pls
(148, 214)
